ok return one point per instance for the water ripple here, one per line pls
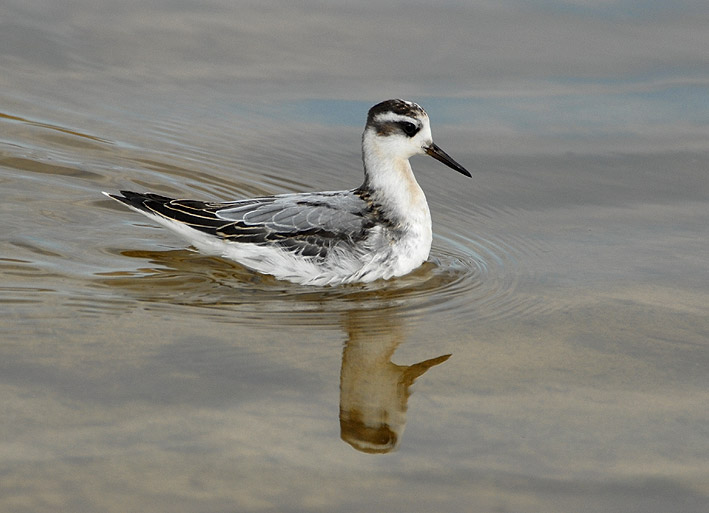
(465, 276)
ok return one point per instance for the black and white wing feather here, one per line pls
(310, 225)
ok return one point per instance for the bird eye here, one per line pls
(409, 128)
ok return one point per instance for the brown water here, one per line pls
(552, 355)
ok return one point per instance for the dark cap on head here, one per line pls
(401, 107)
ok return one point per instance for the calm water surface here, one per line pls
(551, 356)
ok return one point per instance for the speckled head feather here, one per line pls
(400, 107)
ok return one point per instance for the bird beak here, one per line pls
(434, 151)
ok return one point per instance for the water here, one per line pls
(552, 355)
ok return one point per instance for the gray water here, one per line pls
(551, 356)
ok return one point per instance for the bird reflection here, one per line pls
(374, 391)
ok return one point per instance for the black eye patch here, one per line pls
(408, 128)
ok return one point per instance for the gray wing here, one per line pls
(308, 224)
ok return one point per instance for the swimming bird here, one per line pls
(380, 230)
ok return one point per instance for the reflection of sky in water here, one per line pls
(548, 66)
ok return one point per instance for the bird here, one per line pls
(379, 230)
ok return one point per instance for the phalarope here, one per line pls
(381, 229)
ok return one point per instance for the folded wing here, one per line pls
(307, 224)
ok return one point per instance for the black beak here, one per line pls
(441, 156)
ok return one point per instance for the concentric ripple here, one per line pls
(469, 276)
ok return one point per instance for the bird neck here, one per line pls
(391, 184)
